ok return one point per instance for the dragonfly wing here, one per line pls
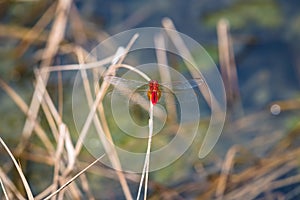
(183, 85)
(126, 88)
(132, 95)
(117, 81)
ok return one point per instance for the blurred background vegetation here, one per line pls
(259, 146)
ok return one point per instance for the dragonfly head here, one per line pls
(153, 85)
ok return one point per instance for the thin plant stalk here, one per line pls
(72, 179)
(99, 98)
(183, 50)
(165, 74)
(24, 108)
(52, 46)
(145, 172)
(226, 168)
(11, 188)
(228, 66)
(3, 188)
(113, 156)
(148, 149)
(36, 31)
(25, 183)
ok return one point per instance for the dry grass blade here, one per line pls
(109, 147)
(70, 150)
(225, 172)
(287, 142)
(183, 50)
(34, 33)
(50, 120)
(246, 185)
(47, 99)
(217, 108)
(228, 66)
(165, 73)
(253, 189)
(72, 179)
(284, 182)
(98, 99)
(58, 154)
(25, 183)
(57, 31)
(24, 108)
(38, 157)
(44, 193)
(73, 191)
(19, 32)
(3, 189)
(119, 173)
(71, 67)
(63, 140)
(56, 36)
(12, 190)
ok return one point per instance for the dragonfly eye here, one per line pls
(153, 84)
(150, 85)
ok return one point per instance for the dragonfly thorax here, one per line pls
(154, 92)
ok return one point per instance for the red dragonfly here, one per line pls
(155, 89)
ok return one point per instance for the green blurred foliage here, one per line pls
(241, 14)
